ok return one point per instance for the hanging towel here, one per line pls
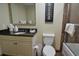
(70, 29)
(37, 49)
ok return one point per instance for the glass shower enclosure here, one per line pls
(71, 44)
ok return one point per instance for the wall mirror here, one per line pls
(49, 10)
(22, 13)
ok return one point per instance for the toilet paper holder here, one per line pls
(36, 47)
(37, 50)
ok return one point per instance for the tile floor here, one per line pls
(59, 54)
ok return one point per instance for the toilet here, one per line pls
(48, 49)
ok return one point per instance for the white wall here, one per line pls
(55, 27)
(4, 16)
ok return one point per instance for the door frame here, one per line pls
(66, 18)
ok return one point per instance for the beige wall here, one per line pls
(55, 28)
(4, 16)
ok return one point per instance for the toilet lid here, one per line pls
(49, 50)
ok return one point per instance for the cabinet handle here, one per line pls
(15, 43)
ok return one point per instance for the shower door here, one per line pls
(71, 15)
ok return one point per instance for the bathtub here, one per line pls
(70, 49)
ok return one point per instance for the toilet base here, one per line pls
(48, 51)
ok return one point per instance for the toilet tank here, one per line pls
(48, 39)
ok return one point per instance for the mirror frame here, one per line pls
(11, 19)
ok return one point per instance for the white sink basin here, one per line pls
(32, 31)
(19, 33)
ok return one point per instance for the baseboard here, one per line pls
(5, 55)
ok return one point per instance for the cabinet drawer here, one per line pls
(20, 38)
(28, 39)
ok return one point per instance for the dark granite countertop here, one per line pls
(26, 34)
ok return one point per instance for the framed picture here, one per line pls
(49, 10)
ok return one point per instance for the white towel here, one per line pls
(70, 29)
(37, 49)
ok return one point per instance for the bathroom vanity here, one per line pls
(16, 45)
(19, 43)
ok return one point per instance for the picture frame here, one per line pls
(49, 11)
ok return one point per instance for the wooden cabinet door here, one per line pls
(16, 45)
(9, 47)
(24, 48)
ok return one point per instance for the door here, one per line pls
(24, 48)
(9, 47)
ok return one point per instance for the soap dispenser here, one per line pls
(11, 27)
(15, 28)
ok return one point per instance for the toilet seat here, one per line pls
(48, 50)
